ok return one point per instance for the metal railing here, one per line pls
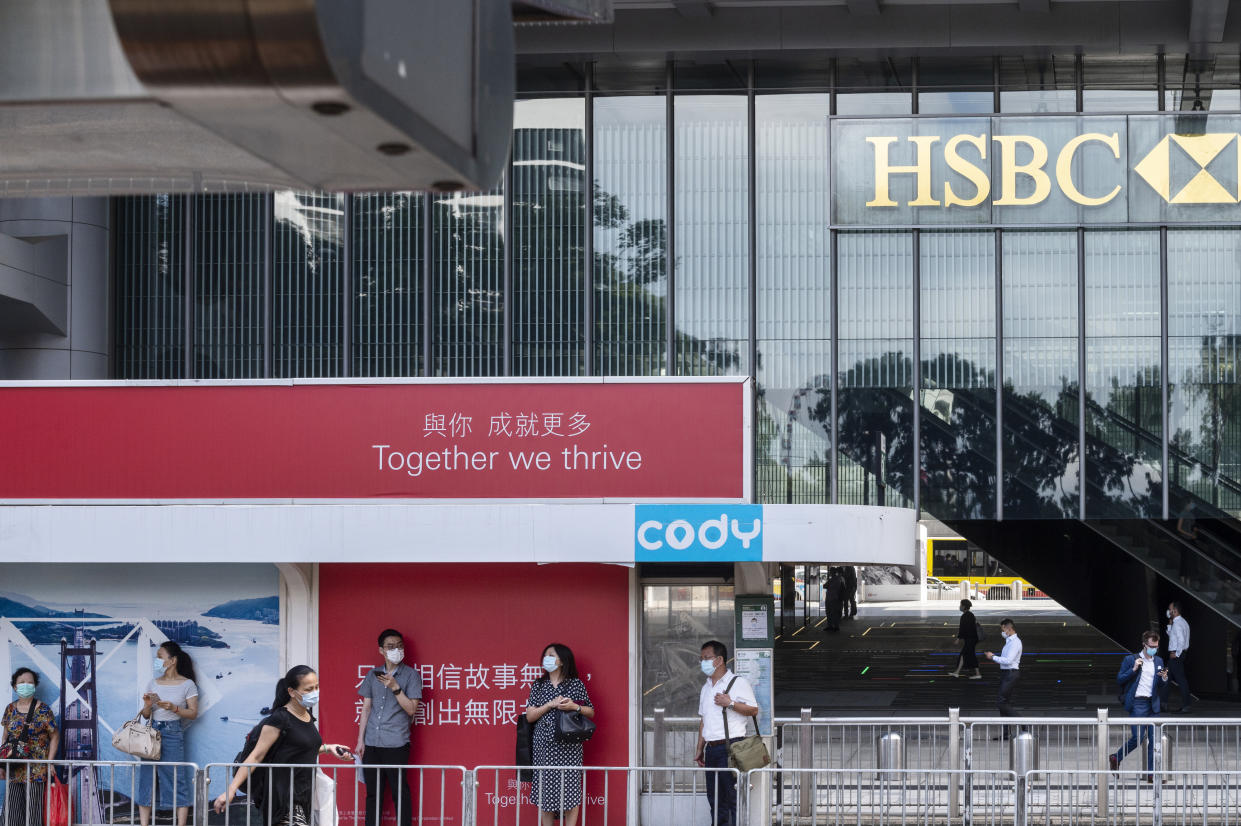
(330, 794)
(899, 770)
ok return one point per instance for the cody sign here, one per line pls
(681, 533)
(1022, 170)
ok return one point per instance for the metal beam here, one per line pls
(1035, 6)
(1206, 21)
(692, 8)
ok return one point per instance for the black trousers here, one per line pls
(1176, 672)
(391, 783)
(1004, 702)
(833, 613)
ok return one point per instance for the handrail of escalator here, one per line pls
(1181, 543)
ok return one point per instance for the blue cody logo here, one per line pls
(676, 533)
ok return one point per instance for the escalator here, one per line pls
(1117, 571)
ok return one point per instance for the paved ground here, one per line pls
(893, 660)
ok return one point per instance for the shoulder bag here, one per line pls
(139, 739)
(524, 755)
(748, 753)
(978, 630)
(17, 747)
(574, 727)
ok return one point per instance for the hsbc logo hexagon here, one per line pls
(698, 533)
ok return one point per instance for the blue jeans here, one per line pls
(1141, 708)
(172, 750)
(721, 786)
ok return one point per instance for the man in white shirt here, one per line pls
(1138, 680)
(1178, 644)
(726, 704)
(1009, 661)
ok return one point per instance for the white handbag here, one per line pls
(325, 800)
(139, 739)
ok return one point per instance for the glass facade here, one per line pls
(1008, 338)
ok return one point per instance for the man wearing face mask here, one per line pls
(1009, 661)
(1139, 677)
(390, 696)
(724, 696)
(1178, 644)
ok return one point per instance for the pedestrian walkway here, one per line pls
(894, 659)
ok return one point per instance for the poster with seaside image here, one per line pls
(95, 630)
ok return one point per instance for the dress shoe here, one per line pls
(1186, 710)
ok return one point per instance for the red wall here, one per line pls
(458, 616)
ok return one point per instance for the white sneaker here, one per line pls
(954, 674)
(976, 676)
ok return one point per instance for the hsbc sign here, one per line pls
(1081, 169)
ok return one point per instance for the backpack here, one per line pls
(255, 786)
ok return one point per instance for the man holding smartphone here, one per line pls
(390, 696)
(1139, 679)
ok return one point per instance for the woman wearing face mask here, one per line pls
(558, 794)
(171, 697)
(28, 728)
(288, 736)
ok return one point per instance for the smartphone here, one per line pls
(378, 672)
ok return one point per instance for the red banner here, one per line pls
(476, 634)
(530, 441)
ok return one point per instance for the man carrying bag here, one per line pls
(724, 703)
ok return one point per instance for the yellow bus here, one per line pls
(952, 560)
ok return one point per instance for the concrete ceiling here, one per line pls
(743, 28)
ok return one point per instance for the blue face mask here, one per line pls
(549, 664)
(707, 666)
(1151, 651)
(25, 690)
(158, 666)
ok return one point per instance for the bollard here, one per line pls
(1023, 754)
(1017, 590)
(1101, 762)
(891, 752)
(1163, 755)
(659, 750)
(965, 589)
(805, 760)
(954, 761)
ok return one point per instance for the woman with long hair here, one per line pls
(287, 736)
(170, 699)
(28, 728)
(557, 793)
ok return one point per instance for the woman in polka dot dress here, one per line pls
(558, 690)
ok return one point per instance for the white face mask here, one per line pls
(310, 699)
(1169, 613)
(395, 655)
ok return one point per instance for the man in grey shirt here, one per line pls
(390, 696)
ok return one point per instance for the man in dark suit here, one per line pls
(833, 596)
(1139, 679)
(850, 604)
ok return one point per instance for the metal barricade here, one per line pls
(927, 742)
(98, 791)
(1134, 797)
(882, 796)
(609, 796)
(336, 793)
(1201, 744)
(1063, 743)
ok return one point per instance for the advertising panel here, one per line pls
(476, 636)
(112, 618)
(591, 439)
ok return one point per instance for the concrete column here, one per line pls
(59, 306)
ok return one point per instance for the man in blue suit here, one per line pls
(1139, 679)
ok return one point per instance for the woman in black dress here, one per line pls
(967, 633)
(288, 736)
(556, 792)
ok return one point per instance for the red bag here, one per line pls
(57, 802)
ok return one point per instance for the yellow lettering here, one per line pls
(883, 170)
(1010, 169)
(982, 184)
(1064, 167)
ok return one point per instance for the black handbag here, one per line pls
(524, 755)
(574, 727)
